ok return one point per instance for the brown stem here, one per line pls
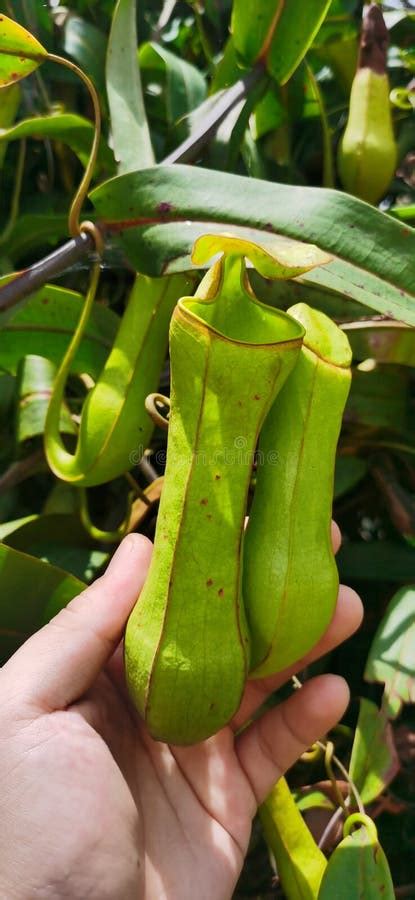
(36, 276)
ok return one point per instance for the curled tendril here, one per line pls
(329, 758)
(153, 402)
(360, 819)
(90, 228)
(311, 755)
(403, 98)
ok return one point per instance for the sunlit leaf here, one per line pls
(286, 294)
(23, 576)
(73, 130)
(61, 540)
(278, 32)
(7, 528)
(158, 213)
(228, 69)
(20, 52)
(35, 377)
(300, 863)
(131, 136)
(87, 45)
(391, 659)
(184, 86)
(374, 761)
(269, 114)
(44, 327)
(358, 868)
(405, 213)
(313, 798)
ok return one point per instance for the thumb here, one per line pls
(60, 662)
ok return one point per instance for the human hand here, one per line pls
(92, 807)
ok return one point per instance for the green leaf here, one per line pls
(284, 295)
(131, 136)
(158, 213)
(35, 377)
(228, 70)
(379, 399)
(23, 579)
(10, 97)
(300, 863)
(227, 143)
(63, 498)
(9, 104)
(391, 659)
(87, 44)
(253, 26)
(184, 86)
(9, 527)
(45, 325)
(376, 561)
(269, 114)
(71, 129)
(374, 761)
(349, 471)
(358, 868)
(353, 283)
(313, 798)
(20, 52)
(336, 45)
(60, 540)
(405, 213)
(279, 33)
(386, 342)
(33, 230)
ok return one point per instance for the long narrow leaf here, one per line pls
(278, 32)
(158, 213)
(300, 863)
(391, 656)
(131, 136)
(23, 576)
(73, 130)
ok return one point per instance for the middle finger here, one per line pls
(347, 618)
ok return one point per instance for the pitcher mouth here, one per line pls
(226, 307)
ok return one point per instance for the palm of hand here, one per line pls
(109, 812)
(118, 815)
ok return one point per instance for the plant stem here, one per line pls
(191, 147)
(79, 199)
(328, 164)
(204, 40)
(36, 276)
